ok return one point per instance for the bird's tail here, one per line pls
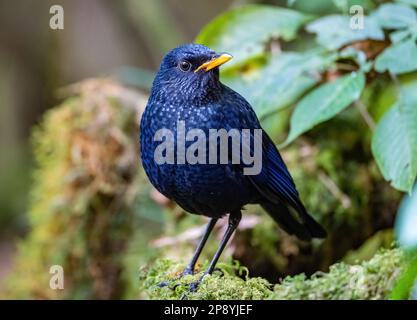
(299, 223)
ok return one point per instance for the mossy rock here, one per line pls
(229, 281)
(371, 279)
(85, 183)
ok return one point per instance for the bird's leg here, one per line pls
(234, 219)
(190, 267)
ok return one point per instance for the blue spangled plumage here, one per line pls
(202, 101)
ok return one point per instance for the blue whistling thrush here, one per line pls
(187, 88)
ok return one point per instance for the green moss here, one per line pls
(371, 279)
(222, 285)
(85, 184)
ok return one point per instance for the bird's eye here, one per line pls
(185, 66)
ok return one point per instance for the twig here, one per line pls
(397, 83)
(247, 222)
(365, 114)
(346, 67)
(334, 190)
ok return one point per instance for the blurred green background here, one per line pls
(72, 189)
(100, 38)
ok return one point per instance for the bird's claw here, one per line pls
(163, 284)
(220, 271)
(193, 286)
(166, 283)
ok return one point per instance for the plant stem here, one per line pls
(365, 114)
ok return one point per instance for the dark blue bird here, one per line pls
(187, 88)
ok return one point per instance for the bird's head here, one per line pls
(190, 71)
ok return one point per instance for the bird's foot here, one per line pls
(193, 287)
(166, 283)
(219, 271)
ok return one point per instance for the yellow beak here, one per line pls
(218, 61)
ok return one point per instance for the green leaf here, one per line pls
(324, 7)
(275, 124)
(358, 56)
(399, 35)
(406, 282)
(394, 143)
(406, 221)
(279, 82)
(342, 5)
(409, 2)
(325, 102)
(334, 31)
(401, 57)
(244, 31)
(395, 16)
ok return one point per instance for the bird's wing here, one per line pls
(276, 185)
(274, 182)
